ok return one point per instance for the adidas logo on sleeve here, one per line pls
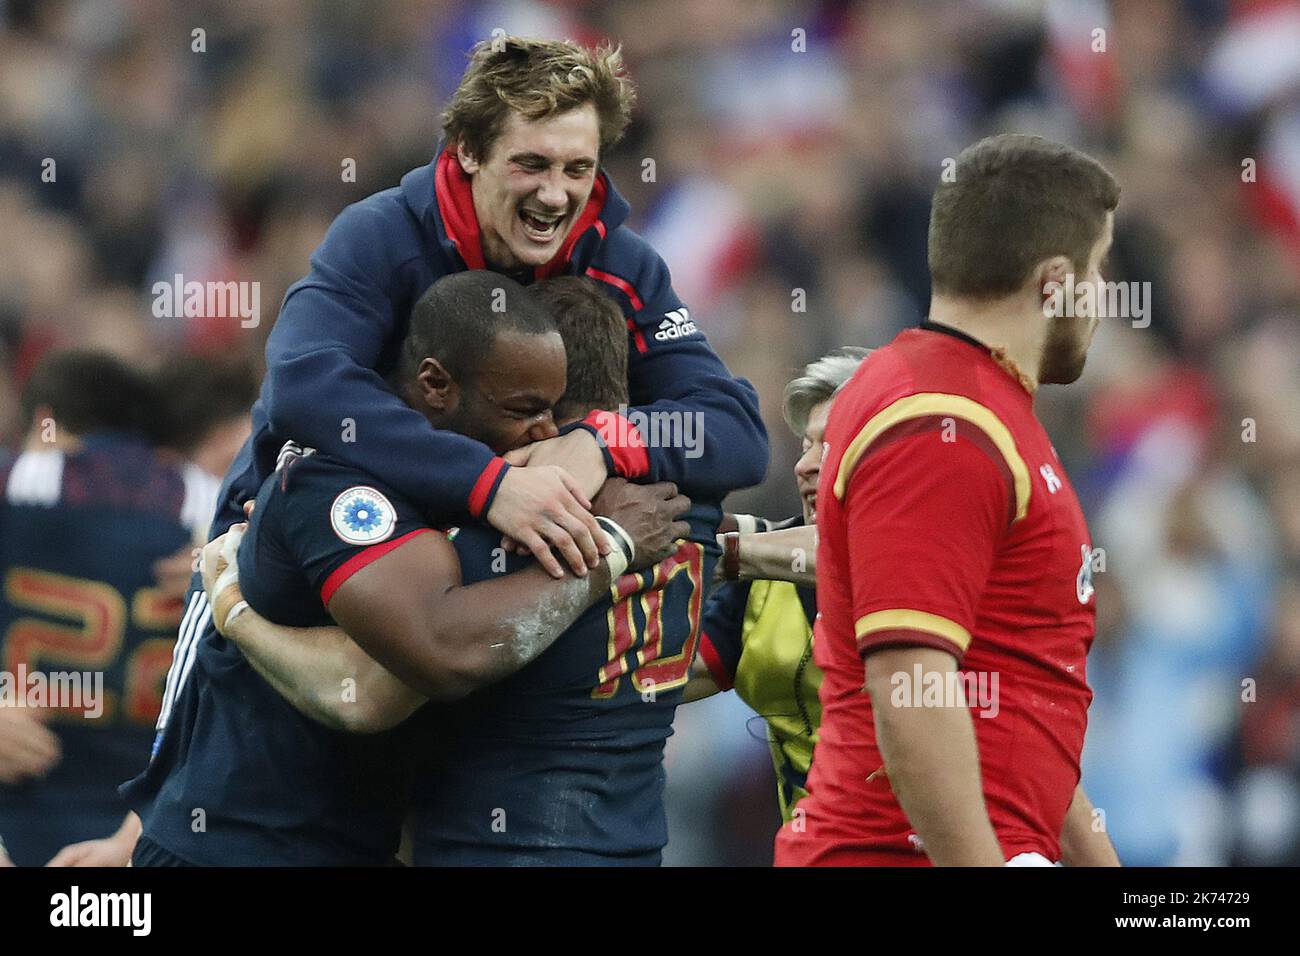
(677, 324)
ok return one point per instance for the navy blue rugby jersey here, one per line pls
(562, 763)
(80, 532)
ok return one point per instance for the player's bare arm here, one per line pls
(486, 631)
(307, 666)
(1082, 842)
(311, 666)
(932, 761)
(789, 554)
(447, 640)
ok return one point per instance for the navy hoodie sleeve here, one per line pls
(322, 388)
(706, 431)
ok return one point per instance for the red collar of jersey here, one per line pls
(454, 193)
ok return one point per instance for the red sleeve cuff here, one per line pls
(905, 637)
(359, 560)
(485, 489)
(717, 670)
(623, 442)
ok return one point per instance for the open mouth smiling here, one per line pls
(540, 226)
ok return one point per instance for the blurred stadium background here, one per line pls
(775, 171)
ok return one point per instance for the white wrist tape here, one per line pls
(229, 554)
(239, 608)
(622, 551)
(752, 524)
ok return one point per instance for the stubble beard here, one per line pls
(1065, 351)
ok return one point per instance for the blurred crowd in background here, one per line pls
(781, 160)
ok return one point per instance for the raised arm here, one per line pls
(676, 379)
(686, 388)
(691, 422)
(322, 388)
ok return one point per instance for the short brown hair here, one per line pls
(537, 79)
(595, 344)
(1013, 202)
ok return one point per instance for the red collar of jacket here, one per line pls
(456, 207)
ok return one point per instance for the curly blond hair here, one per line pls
(537, 79)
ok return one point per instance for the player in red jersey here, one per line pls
(954, 561)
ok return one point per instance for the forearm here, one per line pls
(786, 555)
(1083, 843)
(323, 674)
(932, 760)
(312, 687)
(471, 636)
(933, 767)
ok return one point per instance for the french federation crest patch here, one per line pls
(361, 515)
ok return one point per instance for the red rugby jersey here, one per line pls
(945, 519)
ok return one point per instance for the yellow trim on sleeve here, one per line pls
(938, 403)
(905, 619)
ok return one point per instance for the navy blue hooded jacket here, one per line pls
(340, 327)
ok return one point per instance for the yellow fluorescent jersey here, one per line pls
(757, 637)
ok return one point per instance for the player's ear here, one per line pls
(435, 385)
(468, 161)
(1050, 276)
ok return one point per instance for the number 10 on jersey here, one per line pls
(678, 582)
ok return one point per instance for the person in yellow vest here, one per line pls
(757, 628)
